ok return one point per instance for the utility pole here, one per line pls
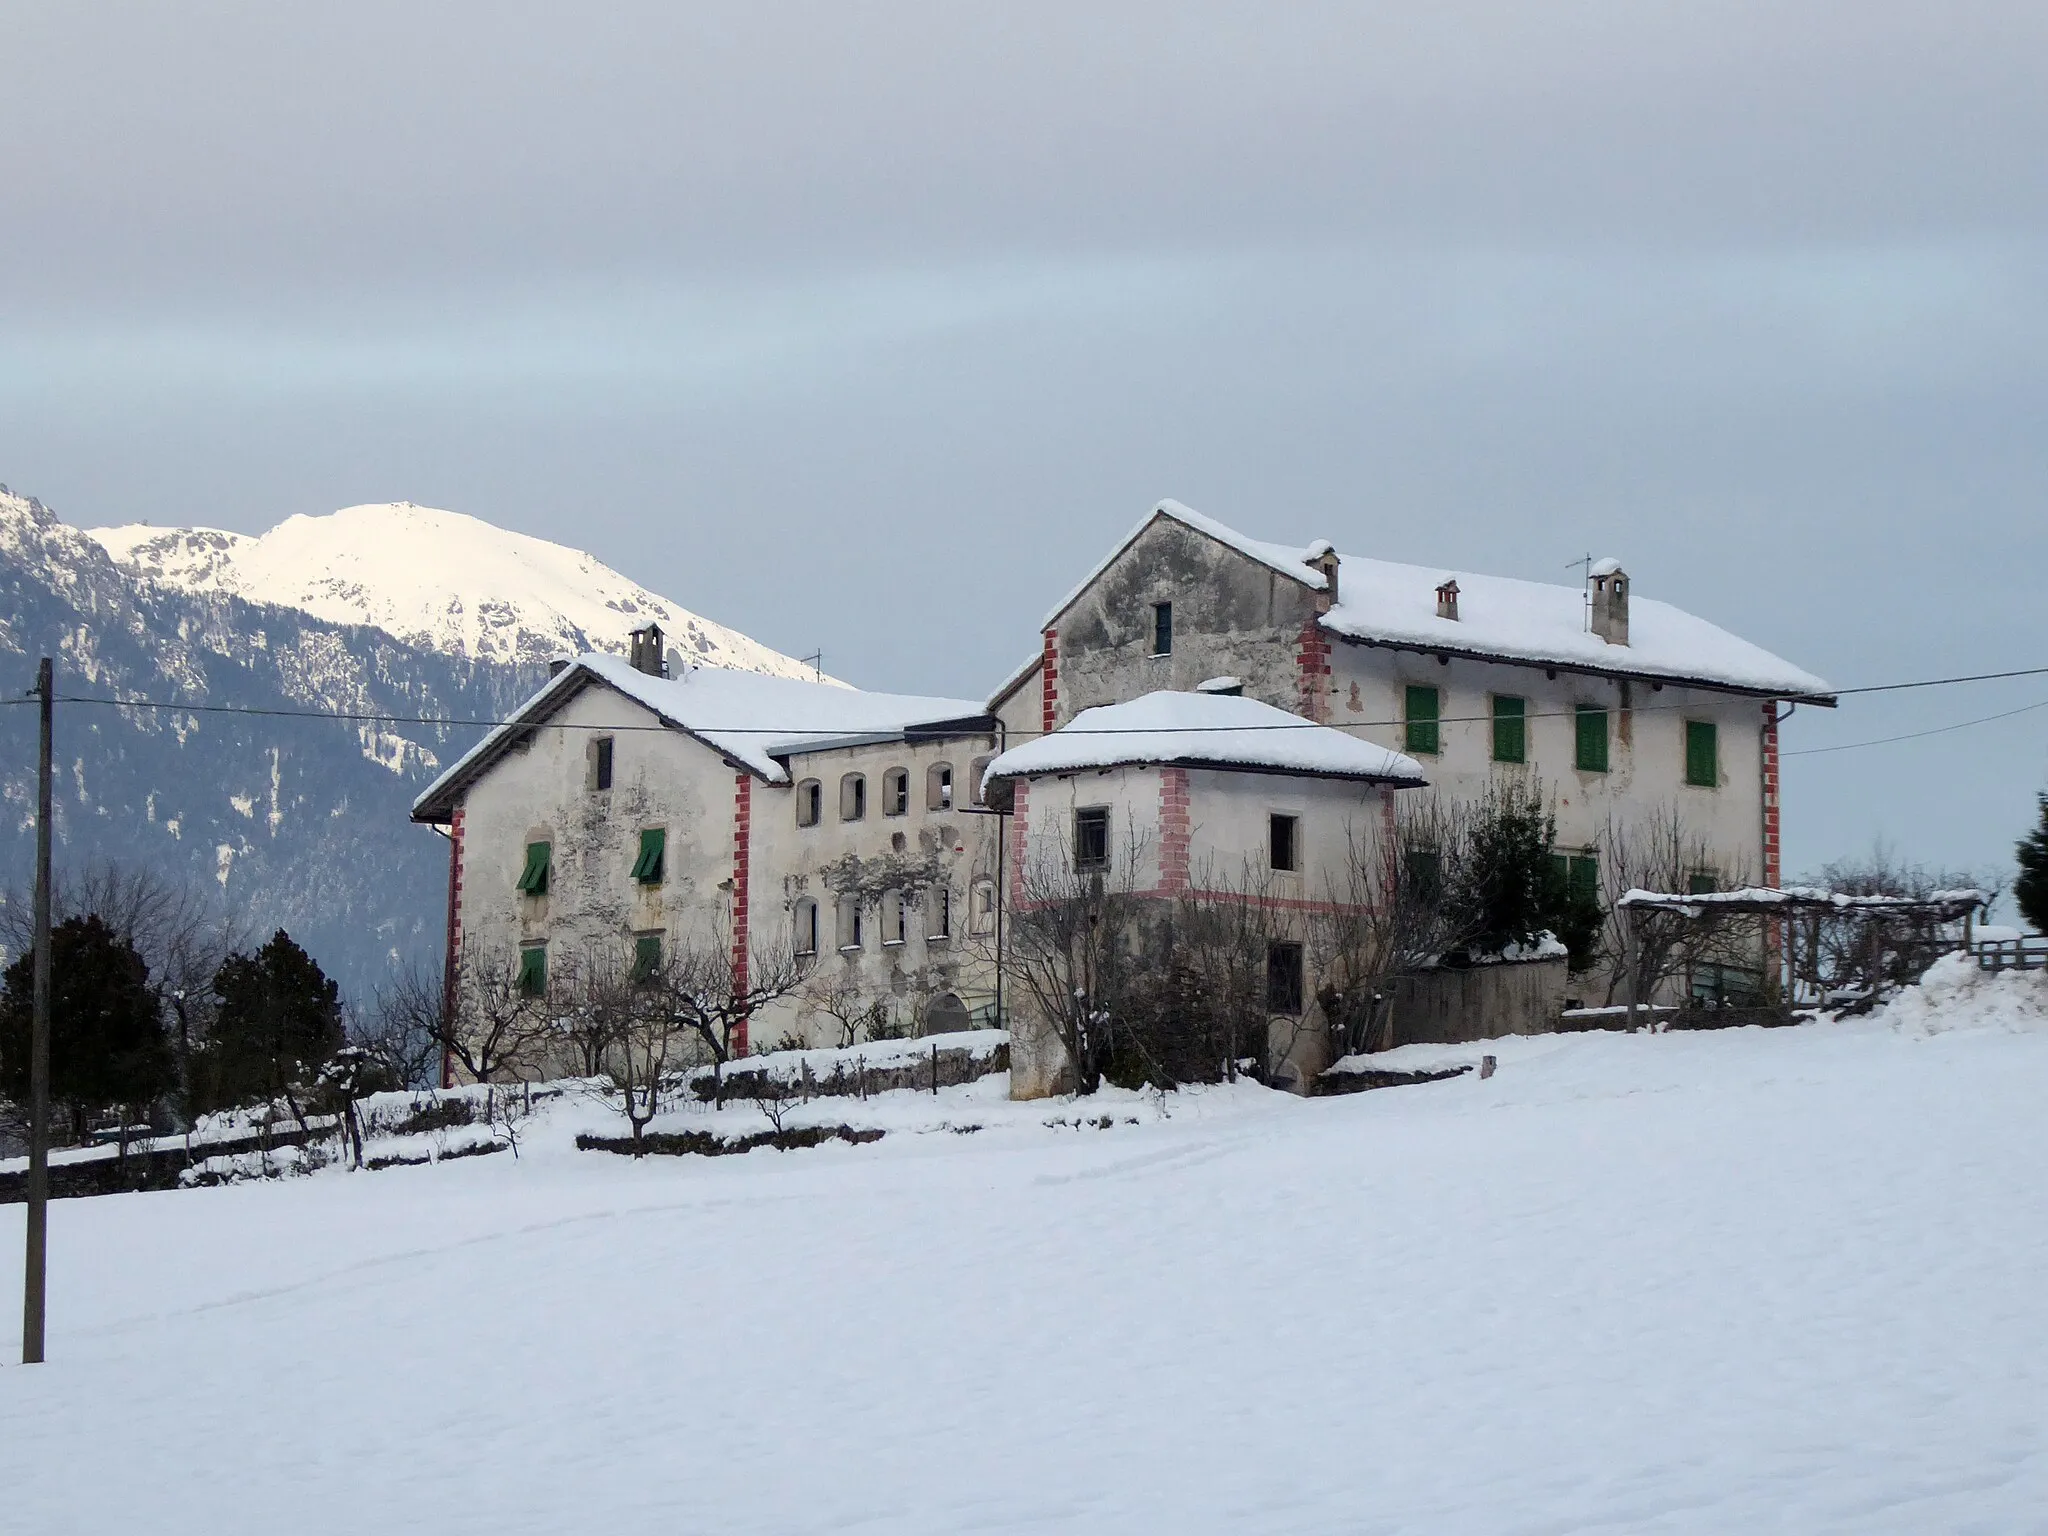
(32, 1284)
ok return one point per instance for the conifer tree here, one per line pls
(2030, 890)
(278, 1024)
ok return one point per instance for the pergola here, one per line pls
(1789, 904)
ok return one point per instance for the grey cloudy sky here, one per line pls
(869, 326)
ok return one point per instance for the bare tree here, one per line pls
(403, 1026)
(1391, 911)
(1861, 952)
(836, 993)
(495, 1024)
(701, 991)
(1651, 949)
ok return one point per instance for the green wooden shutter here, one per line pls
(1592, 740)
(533, 879)
(1702, 754)
(647, 869)
(1424, 710)
(1585, 877)
(533, 969)
(1510, 732)
(646, 956)
(1701, 883)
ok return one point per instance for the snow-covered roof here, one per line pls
(1386, 603)
(1203, 728)
(753, 720)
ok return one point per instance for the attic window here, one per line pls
(1280, 841)
(601, 763)
(1162, 629)
(649, 868)
(533, 877)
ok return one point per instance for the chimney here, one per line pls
(1609, 600)
(1323, 556)
(1447, 599)
(557, 665)
(647, 652)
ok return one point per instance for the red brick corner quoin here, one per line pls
(742, 852)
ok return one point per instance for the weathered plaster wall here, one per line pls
(872, 859)
(1231, 617)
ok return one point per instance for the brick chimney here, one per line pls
(647, 652)
(1609, 601)
(1447, 599)
(1323, 556)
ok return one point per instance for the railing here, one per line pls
(2029, 953)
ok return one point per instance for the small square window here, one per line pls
(1162, 629)
(1091, 838)
(1425, 709)
(1282, 833)
(1283, 978)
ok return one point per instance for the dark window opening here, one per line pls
(938, 787)
(853, 797)
(1162, 629)
(1283, 978)
(1280, 841)
(810, 803)
(1091, 838)
(601, 763)
(896, 792)
(939, 913)
(1424, 869)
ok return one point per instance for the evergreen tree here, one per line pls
(108, 1045)
(278, 1025)
(2030, 890)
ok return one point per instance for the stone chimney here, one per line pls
(647, 652)
(1609, 600)
(1447, 599)
(1323, 556)
(558, 664)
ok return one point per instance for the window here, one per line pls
(976, 772)
(1280, 840)
(938, 923)
(533, 970)
(853, 797)
(1283, 978)
(646, 956)
(1591, 756)
(1702, 883)
(892, 917)
(805, 922)
(810, 803)
(1091, 838)
(1423, 868)
(1702, 754)
(1162, 629)
(601, 763)
(1510, 730)
(849, 922)
(982, 914)
(1580, 873)
(1425, 707)
(938, 787)
(896, 792)
(652, 864)
(533, 879)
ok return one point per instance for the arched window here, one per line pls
(805, 922)
(853, 797)
(974, 777)
(938, 787)
(983, 912)
(896, 792)
(849, 922)
(810, 803)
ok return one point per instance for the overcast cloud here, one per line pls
(869, 327)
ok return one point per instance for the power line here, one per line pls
(1943, 682)
(1939, 730)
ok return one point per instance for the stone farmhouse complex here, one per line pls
(1200, 700)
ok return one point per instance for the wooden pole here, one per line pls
(37, 1246)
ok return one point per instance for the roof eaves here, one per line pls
(1583, 668)
(1218, 765)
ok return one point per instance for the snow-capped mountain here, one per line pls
(438, 580)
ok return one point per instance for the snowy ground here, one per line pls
(1744, 1281)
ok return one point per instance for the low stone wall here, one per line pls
(847, 1075)
(1482, 1002)
(154, 1165)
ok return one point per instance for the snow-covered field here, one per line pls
(1744, 1281)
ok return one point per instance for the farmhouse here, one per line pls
(634, 813)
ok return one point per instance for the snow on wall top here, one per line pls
(439, 580)
(1221, 729)
(751, 718)
(1381, 600)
